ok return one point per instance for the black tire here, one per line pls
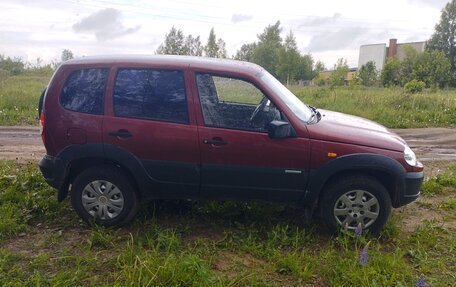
(354, 188)
(90, 197)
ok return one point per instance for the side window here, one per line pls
(234, 103)
(151, 94)
(84, 91)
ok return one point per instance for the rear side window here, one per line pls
(84, 91)
(151, 94)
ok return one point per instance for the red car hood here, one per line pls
(338, 127)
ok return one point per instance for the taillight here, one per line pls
(42, 119)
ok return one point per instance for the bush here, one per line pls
(414, 86)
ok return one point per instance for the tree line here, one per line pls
(281, 57)
(16, 65)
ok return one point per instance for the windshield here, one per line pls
(303, 112)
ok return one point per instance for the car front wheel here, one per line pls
(356, 200)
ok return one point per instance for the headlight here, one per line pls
(409, 156)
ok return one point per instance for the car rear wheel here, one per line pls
(104, 195)
(351, 201)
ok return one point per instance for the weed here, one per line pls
(441, 183)
(431, 249)
(449, 204)
(24, 197)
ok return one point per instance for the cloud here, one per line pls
(105, 24)
(236, 18)
(336, 39)
(438, 4)
(319, 21)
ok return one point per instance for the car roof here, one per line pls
(169, 61)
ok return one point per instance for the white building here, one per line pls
(379, 53)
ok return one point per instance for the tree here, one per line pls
(211, 48)
(66, 55)
(14, 66)
(174, 43)
(289, 57)
(316, 73)
(368, 74)
(444, 37)
(221, 48)
(266, 53)
(245, 53)
(319, 67)
(339, 74)
(193, 46)
(271, 34)
(390, 75)
(305, 69)
(215, 48)
(407, 63)
(432, 68)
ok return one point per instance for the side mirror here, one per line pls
(280, 130)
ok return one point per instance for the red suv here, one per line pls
(118, 130)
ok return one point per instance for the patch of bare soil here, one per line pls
(231, 264)
(47, 240)
(21, 143)
(426, 209)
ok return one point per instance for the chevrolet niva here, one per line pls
(118, 130)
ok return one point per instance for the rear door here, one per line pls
(149, 117)
(239, 159)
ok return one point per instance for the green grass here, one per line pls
(237, 91)
(19, 97)
(391, 107)
(43, 243)
(444, 183)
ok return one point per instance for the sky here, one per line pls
(327, 29)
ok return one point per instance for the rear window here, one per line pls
(151, 94)
(84, 91)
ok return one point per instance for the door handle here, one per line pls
(215, 141)
(121, 134)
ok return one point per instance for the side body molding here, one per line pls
(148, 186)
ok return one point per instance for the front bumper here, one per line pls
(410, 191)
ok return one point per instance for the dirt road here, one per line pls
(430, 144)
(21, 143)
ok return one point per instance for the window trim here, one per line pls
(107, 69)
(118, 69)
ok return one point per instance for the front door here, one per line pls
(239, 159)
